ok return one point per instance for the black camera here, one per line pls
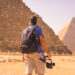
(50, 64)
(48, 61)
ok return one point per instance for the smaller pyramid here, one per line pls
(67, 34)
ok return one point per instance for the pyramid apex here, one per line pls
(73, 19)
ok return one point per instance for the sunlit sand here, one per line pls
(13, 65)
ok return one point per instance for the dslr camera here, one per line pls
(48, 61)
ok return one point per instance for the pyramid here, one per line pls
(14, 18)
(67, 34)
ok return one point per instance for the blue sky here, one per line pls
(55, 13)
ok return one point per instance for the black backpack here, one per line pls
(29, 43)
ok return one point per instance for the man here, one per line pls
(32, 60)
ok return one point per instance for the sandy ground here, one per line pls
(13, 65)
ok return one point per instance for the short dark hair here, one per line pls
(34, 20)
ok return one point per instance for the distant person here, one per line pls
(32, 59)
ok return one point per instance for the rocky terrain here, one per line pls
(67, 34)
(14, 18)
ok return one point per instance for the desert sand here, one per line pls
(13, 65)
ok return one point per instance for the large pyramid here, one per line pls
(14, 18)
(67, 34)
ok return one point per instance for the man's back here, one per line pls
(38, 32)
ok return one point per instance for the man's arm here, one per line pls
(44, 46)
(23, 59)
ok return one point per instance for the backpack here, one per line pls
(29, 43)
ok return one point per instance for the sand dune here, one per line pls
(13, 65)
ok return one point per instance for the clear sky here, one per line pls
(55, 13)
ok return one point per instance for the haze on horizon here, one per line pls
(55, 13)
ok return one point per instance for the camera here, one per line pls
(48, 61)
(50, 64)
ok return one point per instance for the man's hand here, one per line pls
(23, 59)
(49, 54)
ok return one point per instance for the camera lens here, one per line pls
(53, 64)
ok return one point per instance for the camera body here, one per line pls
(48, 61)
(50, 65)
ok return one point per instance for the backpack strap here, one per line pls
(31, 29)
(35, 26)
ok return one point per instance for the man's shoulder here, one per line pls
(38, 28)
(38, 31)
